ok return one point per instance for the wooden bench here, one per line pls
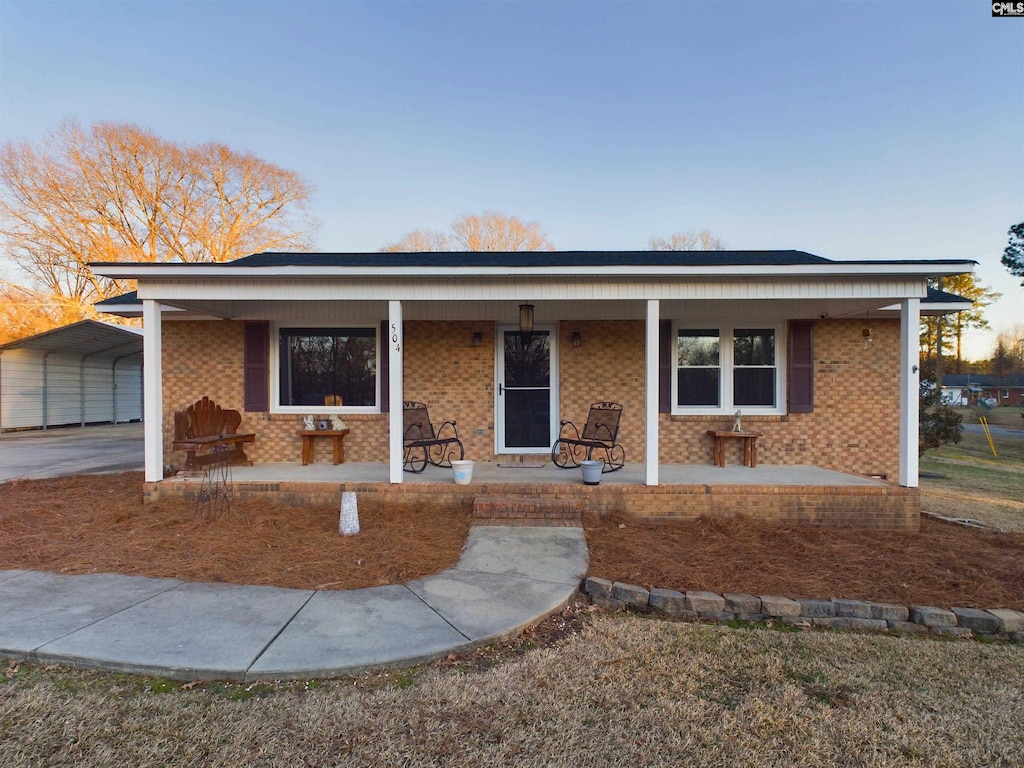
(337, 437)
(749, 445)
(203, 426)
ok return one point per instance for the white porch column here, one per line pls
(653, 337)
(910, 320)
(394, 342)
(153, 390)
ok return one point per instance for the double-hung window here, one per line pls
(327, 370)
(726, 368)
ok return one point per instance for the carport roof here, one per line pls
(87, 337)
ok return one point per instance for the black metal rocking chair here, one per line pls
(423, 444)
(596, 442)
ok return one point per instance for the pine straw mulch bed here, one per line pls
(97, 523)
(943, 565)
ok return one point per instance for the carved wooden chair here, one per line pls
(597, 440)
(203, 426)
(424, 444)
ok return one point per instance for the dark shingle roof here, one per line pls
(132, 297)
(982, 380)
(530, 259)
(937, 296)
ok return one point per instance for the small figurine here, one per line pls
(737, 422)
(309, 423)
(337, 423)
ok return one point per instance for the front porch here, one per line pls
(783, 494)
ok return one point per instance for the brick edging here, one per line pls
(835, 613)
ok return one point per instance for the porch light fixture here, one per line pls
(477, 339)
(577, 339)
(869, 340)
(526, 318)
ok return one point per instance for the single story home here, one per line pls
(820, 356)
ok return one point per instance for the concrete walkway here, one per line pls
(507, 579)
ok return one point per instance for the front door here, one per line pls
(525, 369)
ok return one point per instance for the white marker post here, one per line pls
(348, 525)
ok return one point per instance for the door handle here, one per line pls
(500, 389)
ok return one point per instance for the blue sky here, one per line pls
(848, 129)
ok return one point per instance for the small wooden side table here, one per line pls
(749, 445)
(337, 436)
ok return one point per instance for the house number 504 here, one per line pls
(394, 338)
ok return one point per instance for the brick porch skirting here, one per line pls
(883, 507)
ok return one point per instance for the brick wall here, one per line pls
(455, 379)
(854, 426)
(608, 365)
(855, 423)
(205, 358)
(880, 507)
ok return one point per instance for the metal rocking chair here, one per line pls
(423, 444)
(596, 442)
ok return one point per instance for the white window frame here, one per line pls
(726, 332)
(275, 371)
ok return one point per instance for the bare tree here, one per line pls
(118, 192)
(1008, 356)
(488, 231)
(687, 241)
(24, 312)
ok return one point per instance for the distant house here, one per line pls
(975, 389)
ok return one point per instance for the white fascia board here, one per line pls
(837, 269)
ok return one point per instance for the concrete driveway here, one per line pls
(71, 451)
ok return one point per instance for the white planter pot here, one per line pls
(592, 472)
(462, 471)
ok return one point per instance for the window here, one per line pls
(699, 376)
(753, 353)
(328, 369)
(720, 370)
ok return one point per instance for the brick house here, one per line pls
(821, 356)
(973, 388)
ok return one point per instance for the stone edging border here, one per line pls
(1001, 623)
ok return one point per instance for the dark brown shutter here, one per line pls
(256, 364)
(801, 366)
(385, 354)
(665, 367)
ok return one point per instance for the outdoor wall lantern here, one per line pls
(577, 339)
(868, 338)
(526, 318)
(477, 339)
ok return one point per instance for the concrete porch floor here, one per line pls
(491, 473)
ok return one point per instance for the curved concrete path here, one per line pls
(507, 578)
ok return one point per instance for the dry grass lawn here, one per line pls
(583, 689)
(623, 691)
(967, 481)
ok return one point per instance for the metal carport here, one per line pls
(89, 372)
